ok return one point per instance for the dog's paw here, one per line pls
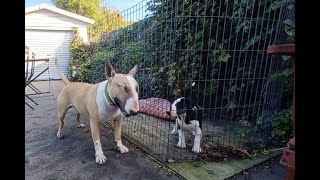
(60, 135)
(100, 159)
(181, 145)
(196, 149)
(123, 149)
(81, 125)
(174, 132)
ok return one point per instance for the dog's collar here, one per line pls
(110, 100)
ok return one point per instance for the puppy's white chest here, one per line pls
(189, 127)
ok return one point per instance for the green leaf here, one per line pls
(288, 22)
(287, 72)
(286, 128)
(276, 123)
(215, 51)
(234, 88)
(259, 120)
(224, 58)
(242, 134)
(289, 27)
(285, 120)
(265, 151)
(250, 43)
(289, 31)
(285, 58)
(273, 123)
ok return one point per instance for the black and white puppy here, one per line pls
(188, 117)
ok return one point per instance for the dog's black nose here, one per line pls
(133, 112)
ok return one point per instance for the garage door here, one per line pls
(46, 43)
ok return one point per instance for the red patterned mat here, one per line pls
(156, 107)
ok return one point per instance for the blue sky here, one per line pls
(113, 4)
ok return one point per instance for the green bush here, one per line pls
(87, 61)
(79, 55)
(128, 55)
(282, 125)
(93, 70)
(282, 121)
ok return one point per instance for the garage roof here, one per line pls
(60, 11)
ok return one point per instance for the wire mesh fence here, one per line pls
(211, 51)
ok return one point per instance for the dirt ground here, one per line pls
(46, 157)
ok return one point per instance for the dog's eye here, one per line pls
(123, 87)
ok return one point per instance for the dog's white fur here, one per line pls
(106, 111)
(130, 102)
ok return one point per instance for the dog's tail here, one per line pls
(63, 77)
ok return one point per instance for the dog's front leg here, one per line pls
(182, 141)
(175, 128)
(117, 134)
(197, 139)
(95, 130)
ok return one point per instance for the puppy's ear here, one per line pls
(133, 71)
(109, 71)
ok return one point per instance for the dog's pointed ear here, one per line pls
(109, 71)
(133, 71)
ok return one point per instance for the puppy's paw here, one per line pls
(181, 145)
(81, 125)
(196, 149)
(123, 149)
(100, 159)
(174, 132)
(60, 135)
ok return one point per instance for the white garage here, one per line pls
(49, 32)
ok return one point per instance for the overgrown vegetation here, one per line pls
(213, 51)
(282, 125)
(282, 121)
